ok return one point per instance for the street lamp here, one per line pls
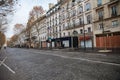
(104, 35)
(84, 37)
(84, 34)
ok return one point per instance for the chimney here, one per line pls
(51, 5)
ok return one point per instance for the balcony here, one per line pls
(87, 9)
(113, 2)
(113, 14)
(100, 18)
(68, 27)
(79, 24)
(76, 25)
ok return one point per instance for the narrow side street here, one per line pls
(31, 64)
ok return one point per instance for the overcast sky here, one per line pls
(22, 12)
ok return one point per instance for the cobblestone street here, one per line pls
(30, 64)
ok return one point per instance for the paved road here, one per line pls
(30, 64)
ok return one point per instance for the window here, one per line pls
(114, 23)
(56, 29)
(67, 6)
(64, 34)
(114, 10)
(81, 31)
(99, 2)
(63, 9)
(68, 33)
(72, 4)
(89, 29)
(101, 26)
(63, 26)
(80, 9)
(69, 14)
(73, 22)
(60, 34)
(74, 12)
(88, 19)
(100, 14)
(79, 1)
(59, 28)
(88, 6)
(68, 24)
(73, 0)
(80, 21)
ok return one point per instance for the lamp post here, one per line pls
(84, 34)
(104, 35)
(103, 31)
(84, 37)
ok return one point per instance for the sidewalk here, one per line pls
(108, 57)
(88, 50)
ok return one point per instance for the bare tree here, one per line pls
(18, 28)
(37, 13)
(2, 39)
(3, 24)
(6, 7)
(21, 36)
(13, 39)
(28, 31)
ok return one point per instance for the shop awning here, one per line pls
(86, 37)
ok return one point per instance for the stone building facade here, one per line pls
(106, 23)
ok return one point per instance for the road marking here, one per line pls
(83, 59)
(2, 63)
(101, 62)
(96, 54)
(9, 68)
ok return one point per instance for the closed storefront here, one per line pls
(111, 40)
(44, 44)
